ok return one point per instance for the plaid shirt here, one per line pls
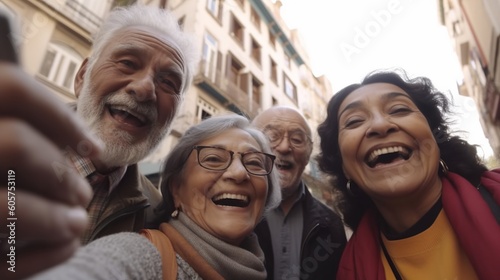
(102, 185)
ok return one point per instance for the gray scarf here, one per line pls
(230, 261)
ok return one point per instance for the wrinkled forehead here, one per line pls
(285, 120)
(155, 34)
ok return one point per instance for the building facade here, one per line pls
(474, 28)
(250, 60)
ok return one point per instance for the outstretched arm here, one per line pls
(119, 256)
(42, 199)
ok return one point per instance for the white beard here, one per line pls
(119, 149)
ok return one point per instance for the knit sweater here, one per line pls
(132, 256)
(118, 256)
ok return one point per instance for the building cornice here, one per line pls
(276, 29)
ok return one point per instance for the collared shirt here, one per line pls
(102, 186)
(85, 167)
(286, 237)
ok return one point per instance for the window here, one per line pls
(274, 71)
(89, 13)
(256, 49)
(287, 60)
(274, 101)
(204, 110)
(117, 3)
(457, 28)
(215, 8)
(272, 39)
(255, 18)
(241, 3)
(289, 88)
(237, 30)
(60, 64)
(235, 76)
(181, 22)
(256, 90)
(209, 56)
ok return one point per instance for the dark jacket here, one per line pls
(131, 205)
(323, 240)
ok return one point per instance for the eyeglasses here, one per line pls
(216, 158)
(297, 139)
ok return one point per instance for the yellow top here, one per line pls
(432, 254)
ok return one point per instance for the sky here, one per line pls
(346, 40)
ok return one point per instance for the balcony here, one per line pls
(88, 18)
(492, 100)
(226, 92)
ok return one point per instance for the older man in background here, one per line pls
(302, 238)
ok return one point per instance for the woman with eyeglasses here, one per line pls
(216, 184)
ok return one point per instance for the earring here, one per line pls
(348, 185)
(444, 167)
(175, 214)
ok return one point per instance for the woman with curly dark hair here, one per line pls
(410, 187)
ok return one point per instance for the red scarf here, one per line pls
(469, 215)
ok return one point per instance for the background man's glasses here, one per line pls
(216, 158)
(297, 139)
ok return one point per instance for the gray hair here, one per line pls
(159, 20)
(176, 159)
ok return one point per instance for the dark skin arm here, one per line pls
(50, 197)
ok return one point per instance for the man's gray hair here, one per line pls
(157, 19)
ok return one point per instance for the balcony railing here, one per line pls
(78, 13)
(225, 91)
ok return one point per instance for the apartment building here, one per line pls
(54, 36)
(474, 28)
(250, 60)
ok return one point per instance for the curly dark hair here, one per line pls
(460, 156)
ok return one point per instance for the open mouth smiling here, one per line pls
(388, 155)
(126, 115)
(231, 200)
(283, 165)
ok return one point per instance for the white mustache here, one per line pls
(148, 109)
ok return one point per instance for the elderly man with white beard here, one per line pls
(129, 90)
